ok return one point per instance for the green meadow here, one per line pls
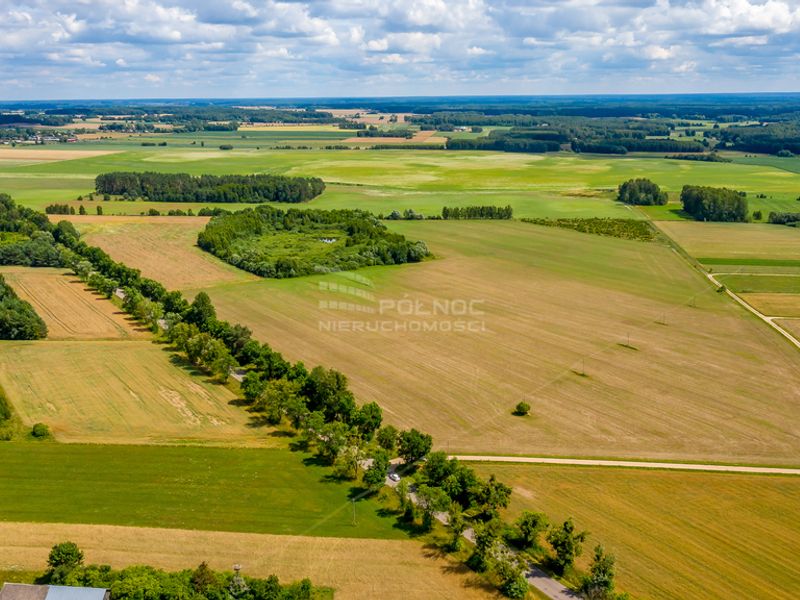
(255, 491)
(551, 185)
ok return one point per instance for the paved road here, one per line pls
(632, 463)
(535, 576)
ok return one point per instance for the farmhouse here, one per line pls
(21, 591)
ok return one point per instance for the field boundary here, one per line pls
(589, 462)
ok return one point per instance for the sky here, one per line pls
(322, 48)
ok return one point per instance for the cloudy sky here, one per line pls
(269, 48)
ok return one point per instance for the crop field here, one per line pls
(218, 489)
(70, 311)
(162, 247)
(675, 534)
(770, 283)
(355, 568)
(431, 176)
(740, 241)
(120, 392)
(775, 305)
(601, 336)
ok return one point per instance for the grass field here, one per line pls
(120, 392)
(216, 489)
(355, 568)
(762, 283)
(163, 247)
(70, 311)
(558, 304)
(675, 534)
(534, 184)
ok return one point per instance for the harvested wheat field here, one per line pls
(119, 392)
(70, 310)
(734, 240)
(620, 347)
(775, 305)
(162, 247)
(675, 534)
(355, 568)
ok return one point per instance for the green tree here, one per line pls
(65, 554)
(599, 583)
(203, 579)
(522, 409)
(387, 438)
(367, 419)
(375, 475)
(456, 523)
(512, 582)
(567, 544)
(486, 538)
(530, 526)
(331, 440)
(431, 500)
(414, 445)
(201, 311)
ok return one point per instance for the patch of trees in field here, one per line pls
(626, 229)
(641, 192)
(66, 567)
(477, 212)
(25, 237)
(784, 218)
(373, 131)
(243, 240)
(182, 187)
(714, 204)
(710, 157)
(18, 319)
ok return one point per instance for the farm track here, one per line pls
(590, 462)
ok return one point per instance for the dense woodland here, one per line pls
(18, 319)
(182, 187)
(714, 204)
(334, 240)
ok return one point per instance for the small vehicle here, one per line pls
(394, 476)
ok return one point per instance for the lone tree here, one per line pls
(567, 544)
(642, 192)
(522, 409)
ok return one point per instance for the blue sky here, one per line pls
(267, 48)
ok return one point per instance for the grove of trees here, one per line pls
(18, 319)
(641, 192)
(714, 204)
(182, 187)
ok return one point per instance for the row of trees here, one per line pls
(66, 567)
(784, 218)
(18, 319)
(714, 204)
(477, 212)
(182, 187)
(243, 239)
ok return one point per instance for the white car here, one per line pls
(394, 476)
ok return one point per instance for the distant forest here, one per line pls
(182, 187)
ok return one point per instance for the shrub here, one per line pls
(522, 409)
(40, 431)
(757, 215)
(226, 147)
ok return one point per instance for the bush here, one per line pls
(757, 216)
(65, 554)
(40, 431)
(522, 409)
(226, 147)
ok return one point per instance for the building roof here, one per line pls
(21, 591)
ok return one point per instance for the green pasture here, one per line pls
(764, 283)
(550, 185)
(254, 491)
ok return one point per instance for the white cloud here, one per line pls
(477, 51)
(152, 78)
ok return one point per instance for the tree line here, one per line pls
(18, 319)
(238, 238)
(182, 187)
(66, 567)
(477, 212)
